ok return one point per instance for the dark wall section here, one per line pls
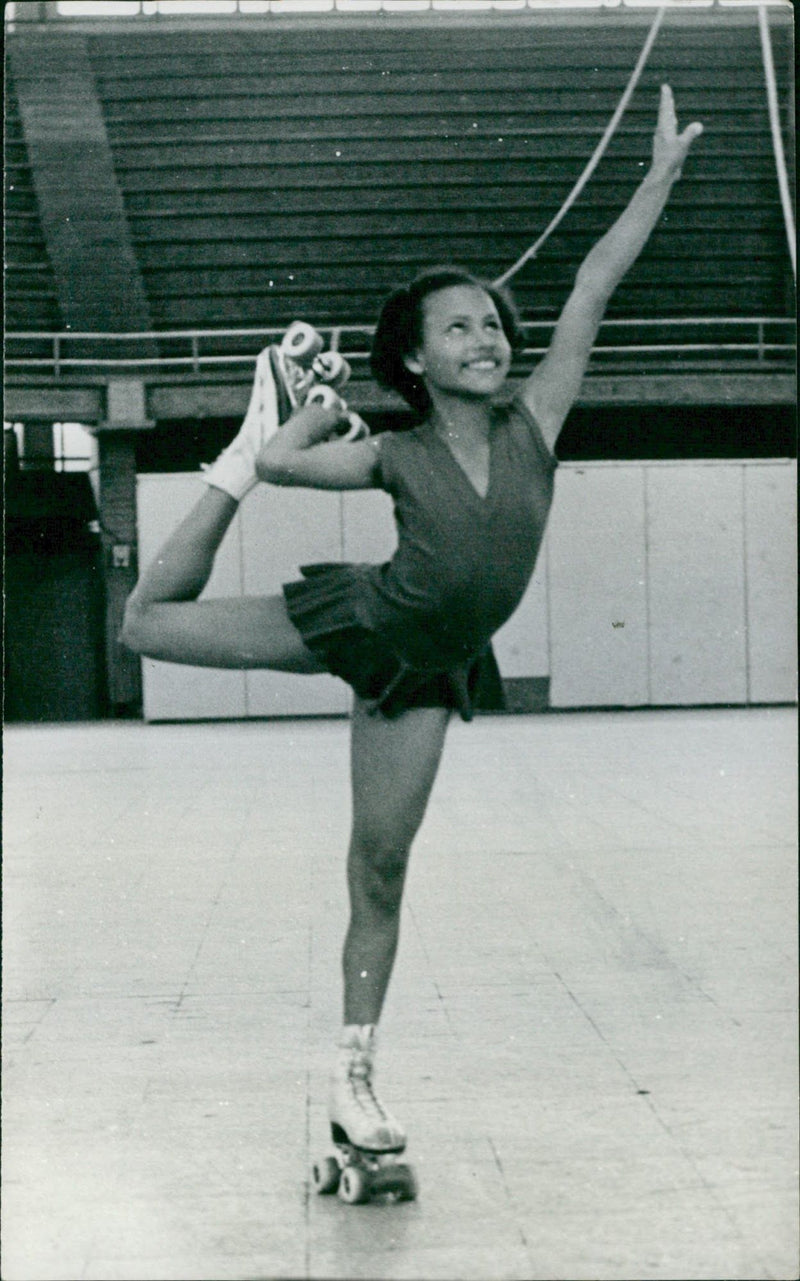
(733, 431)
(621, 432)
(54, 660)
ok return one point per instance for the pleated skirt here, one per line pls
(327, 606)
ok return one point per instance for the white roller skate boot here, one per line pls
(235, 469)
(368, 1139)
(283, 378)
(357, 1115)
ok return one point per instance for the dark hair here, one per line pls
(399, 330)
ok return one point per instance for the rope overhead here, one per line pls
(597, 156)
(777, 141)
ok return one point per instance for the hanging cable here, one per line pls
(598, 152)
(777, 141)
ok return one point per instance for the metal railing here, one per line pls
(764, 342)
(45, 10)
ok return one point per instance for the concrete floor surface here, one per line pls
(591, 1032)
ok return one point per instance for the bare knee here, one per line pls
(136, 628)
(377, 870)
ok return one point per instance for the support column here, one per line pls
(38, 449)
(117, 460)
(126, 415)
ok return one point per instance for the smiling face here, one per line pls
(464, 349)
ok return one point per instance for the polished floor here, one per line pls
(591, 1032)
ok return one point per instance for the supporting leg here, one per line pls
(394, 764)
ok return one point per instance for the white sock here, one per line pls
(356, 1036)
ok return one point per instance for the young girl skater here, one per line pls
(472, 486)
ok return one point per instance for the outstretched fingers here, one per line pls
(667, 120)
(670, 147)
(691, 132)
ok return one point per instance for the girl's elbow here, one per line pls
(275, 470)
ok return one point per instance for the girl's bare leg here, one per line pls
(394, 764)
(164, 619)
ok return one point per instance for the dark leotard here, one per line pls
(416, 631)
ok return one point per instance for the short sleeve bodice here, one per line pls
(463, 561)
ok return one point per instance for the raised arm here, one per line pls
(553, 386)
(302, 453)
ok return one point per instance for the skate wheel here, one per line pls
(354, 1185)
(302, 342)
(357, 429)
(409, 1188)
(398, 1181)
(325, 1175)
(332, 368)
(325, 396)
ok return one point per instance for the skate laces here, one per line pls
(359, 1076)
(298, 381)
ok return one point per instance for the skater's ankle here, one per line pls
(361, 1036)
(228, 479)
(233, 472)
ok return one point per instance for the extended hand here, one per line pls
(310, 425)
(670, 148)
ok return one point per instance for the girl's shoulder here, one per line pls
(520, 419)
(399, 452)
(404, 434)
(402, 444)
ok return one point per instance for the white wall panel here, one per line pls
(771, 551)
(597, 598)
(172, 691)
(521, 645)
(281, 530)
(657, 583)
(696, 583)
